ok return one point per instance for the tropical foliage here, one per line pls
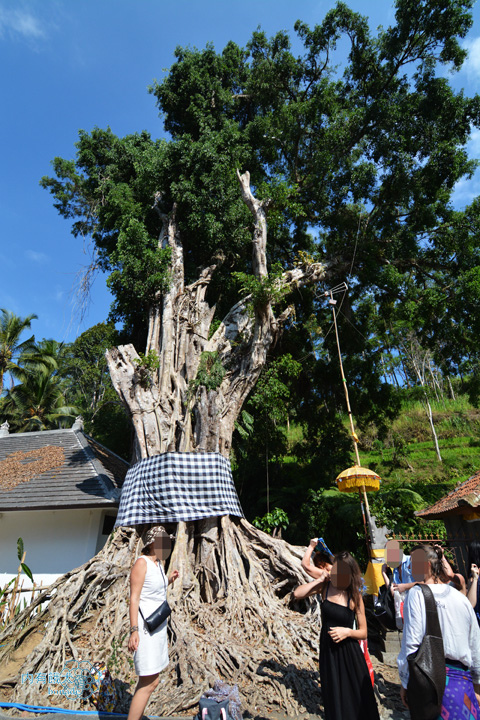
(37, 399)
(11, 328)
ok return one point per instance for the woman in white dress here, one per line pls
(148, 590)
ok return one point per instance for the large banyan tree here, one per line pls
(281, 174)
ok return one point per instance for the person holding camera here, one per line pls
(318, 559)
(473, 589)
(347, 690)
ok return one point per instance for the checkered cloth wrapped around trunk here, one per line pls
(178, 486)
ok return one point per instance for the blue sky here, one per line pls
(73, 64)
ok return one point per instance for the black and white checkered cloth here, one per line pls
(178, 486)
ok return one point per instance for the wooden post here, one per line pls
(366, 521)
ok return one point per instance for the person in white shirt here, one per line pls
(460, 631)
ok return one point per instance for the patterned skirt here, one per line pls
(459, 700)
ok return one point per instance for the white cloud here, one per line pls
(472, 63)
(474, 143)
(465, 190)
(20, 23)
(36, 257)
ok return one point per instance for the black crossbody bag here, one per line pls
(159, 615)
(426, 665)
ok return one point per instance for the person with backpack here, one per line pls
(396, 572)
(460, 634)
(347, 690)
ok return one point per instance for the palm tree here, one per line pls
(48, 354)
(37, 402)
(11, 328)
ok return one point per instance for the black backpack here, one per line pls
(384, 610)
(426, 665)
(211, 709)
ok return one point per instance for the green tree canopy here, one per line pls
(357, 161)
(359, 165)
(89, 388)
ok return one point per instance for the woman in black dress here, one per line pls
(346, 686)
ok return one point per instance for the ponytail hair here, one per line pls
(434, 557)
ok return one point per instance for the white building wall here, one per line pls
(55, 541)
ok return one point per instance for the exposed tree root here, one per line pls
(232, 619)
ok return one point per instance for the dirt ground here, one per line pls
(387, 691)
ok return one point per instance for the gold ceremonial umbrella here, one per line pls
(358, 478)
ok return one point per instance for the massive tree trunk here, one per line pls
(171, 408)
(232, 611)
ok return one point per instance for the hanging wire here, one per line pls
(350, 323)
(343, 286)
(356, 245)
(333, 291)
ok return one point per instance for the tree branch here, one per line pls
(256, 207)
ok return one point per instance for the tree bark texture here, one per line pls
(170, 407)
(232, 619)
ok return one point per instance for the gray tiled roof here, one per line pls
(90, 477)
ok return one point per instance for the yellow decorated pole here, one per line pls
(356, 478)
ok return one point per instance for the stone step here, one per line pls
(392, 645)
(390, 659)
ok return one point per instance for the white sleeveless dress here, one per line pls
(151, 655)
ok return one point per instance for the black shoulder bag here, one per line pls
(426, 683)
(384, 610)
(159, 615)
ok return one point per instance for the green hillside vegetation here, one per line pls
(407, 454)
(412, 476)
